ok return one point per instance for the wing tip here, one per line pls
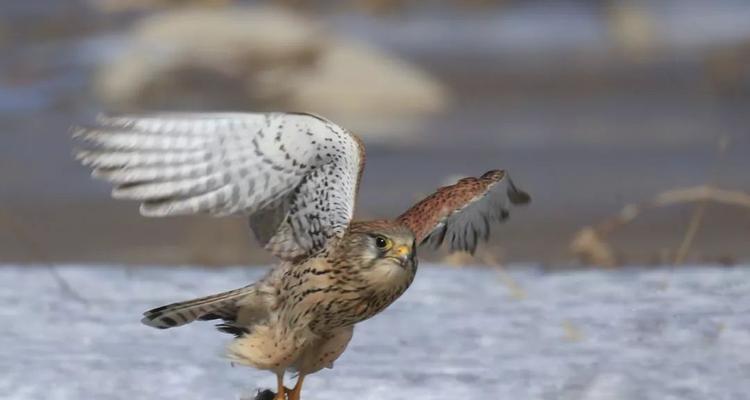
(517, 196)
(112, 120)
(80, 132)
(494, 175)
(82, 156)
(153, 209)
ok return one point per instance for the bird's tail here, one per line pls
(222, 305)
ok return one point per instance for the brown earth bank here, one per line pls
(115, 234)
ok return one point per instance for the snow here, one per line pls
(663, 334)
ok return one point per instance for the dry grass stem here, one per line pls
(590, 243)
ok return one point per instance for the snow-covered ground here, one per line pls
(456, 334)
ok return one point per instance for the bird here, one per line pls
(295, 177)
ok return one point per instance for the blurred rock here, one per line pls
(360, 86)
(252, 58)
(228, 48)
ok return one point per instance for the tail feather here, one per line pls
(234, 329)
(221, 305)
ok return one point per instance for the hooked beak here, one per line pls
(402, 253)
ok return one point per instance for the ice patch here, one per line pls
(457, 333)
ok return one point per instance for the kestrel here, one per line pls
(295, 176)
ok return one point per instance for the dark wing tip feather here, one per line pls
(516, 195)
(437, 237)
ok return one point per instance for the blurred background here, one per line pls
(627, 120)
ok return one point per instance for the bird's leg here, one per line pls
(280, 388)
(294, 394)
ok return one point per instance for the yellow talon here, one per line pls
(281, 390)
(295, 393)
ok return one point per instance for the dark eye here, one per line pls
(381, 242)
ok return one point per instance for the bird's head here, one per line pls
(381, 251)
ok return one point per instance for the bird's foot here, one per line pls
(282, 394)
(295, 393)
(269, 394)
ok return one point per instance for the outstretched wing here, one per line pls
(295, 175)
(461, 213)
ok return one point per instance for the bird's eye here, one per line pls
(382, 243)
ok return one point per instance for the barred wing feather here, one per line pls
(295, 175)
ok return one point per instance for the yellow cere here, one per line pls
(402, 250)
